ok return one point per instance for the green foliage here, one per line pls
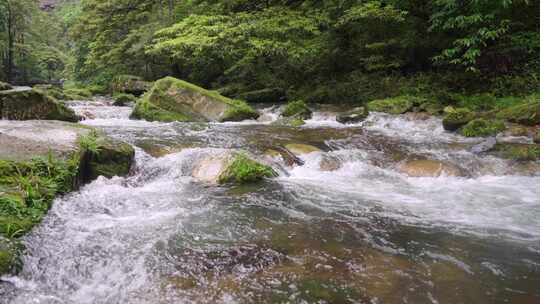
(519, 152)
(90, 143)
(243, 170)
(527, 112)
(481, 127)
(297, 109)
(123, 99)
(457, 118)
(395, 105)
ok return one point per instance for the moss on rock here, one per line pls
(5, 86)
(536, 138)
(395, 105)
(480, 127)
(297, 109)
(457, 118)
(32, 104)
(517, 152)
(526, 114)
(172, 99)
(354, 116)
(122, 99)
(243, 169)
(8, 255)
(130, 84)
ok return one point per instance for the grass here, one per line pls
(90, 142)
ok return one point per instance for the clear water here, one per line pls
(364, 233)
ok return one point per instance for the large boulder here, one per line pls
(429, 168)
(42, 159)
(5, 86)
(31, 104)
(526, 114)
(354, 116)
(231, 168)
(171, 99)
(130, 84)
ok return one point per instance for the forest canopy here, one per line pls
(324, 51)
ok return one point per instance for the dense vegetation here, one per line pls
(319, 51)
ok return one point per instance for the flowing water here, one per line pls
(346, 227)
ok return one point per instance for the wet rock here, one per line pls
(8, 256)
(113, 158)
(484, 146)
(231, 168)
(130, 84)
(354, 116)
(429, 168)
(5, 86)
(330, 163)
(88, 115)
(457, 118)
(32, 104)
(300, 149)
(417, 116)
(526, 114)
(297, 109)
(171, 99)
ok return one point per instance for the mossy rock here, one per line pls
(242, 169)
(354, 116)
(9, 251)
(481, 127)
(525, 114)
(109, 158)
(267, 95)
(123, 99)
(171, 99)
(32, 104)
(517, 152)
(457, 118)
(300, 149)
(536, 138)
(432, 108)
(298, 109)
(81, 93)
(5, 86)
(396, 105)
(294, 121)
(130, 84)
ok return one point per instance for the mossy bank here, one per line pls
(40, 160)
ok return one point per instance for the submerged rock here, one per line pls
(429, 168)
(32, 104)
(354, 116)
(484, 146)
(300, 149)
(526, 114)
(457, 118)
(330, 163)
(5, 86)
(171, 99)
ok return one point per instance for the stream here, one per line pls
(358, 232)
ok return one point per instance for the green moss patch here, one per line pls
(480, 127)
(395, 105)
(457, 118)
(526, 114)
(518, 152)
(33, 104)
(298, 109)
(243, 170)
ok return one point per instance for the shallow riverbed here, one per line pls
(359, 232)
